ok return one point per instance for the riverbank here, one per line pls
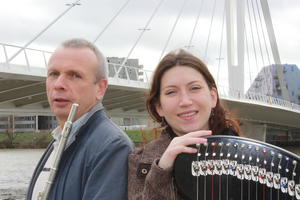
(42, 139)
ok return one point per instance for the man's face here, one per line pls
(71, 78)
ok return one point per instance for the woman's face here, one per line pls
(185, 100)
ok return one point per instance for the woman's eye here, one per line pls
(195, 88)
(169, 92)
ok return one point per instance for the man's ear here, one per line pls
(101, 88)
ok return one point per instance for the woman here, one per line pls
(184, 99)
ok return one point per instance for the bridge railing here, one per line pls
(252, 97)
(28, 57)
(32, 58)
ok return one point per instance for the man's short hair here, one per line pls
(82, 43)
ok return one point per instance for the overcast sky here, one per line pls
(22, 20)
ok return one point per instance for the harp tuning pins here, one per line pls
(249, 146)
(243, 146)
(279, 155)
(205, 144)
(287, 158)
(228, 144)
(294, 162)
(256, 148)
(272, 153)
(264, 150)
(213, 144)
(221, 144)
(235, 145)
(197, 145)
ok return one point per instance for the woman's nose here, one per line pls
(185, 99)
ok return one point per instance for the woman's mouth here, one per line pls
(187, 114)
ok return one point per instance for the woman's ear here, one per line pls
(159, 110)
(214, 96)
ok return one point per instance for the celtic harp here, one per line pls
(235, 168)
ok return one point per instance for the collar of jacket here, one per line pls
(56, 133)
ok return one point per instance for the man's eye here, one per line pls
(75, 75)
(53, 74)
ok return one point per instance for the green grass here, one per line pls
(144, 136)
(42, 139)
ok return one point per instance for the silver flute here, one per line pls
(61, 146)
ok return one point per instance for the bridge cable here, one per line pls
(221, 43)
(111, 20)
(45, 29)
(269, 72)
(209, 32)
(173, 28)
(195, 25)
(264, 87)
(247, 52)
(252, 36)
(143, 30)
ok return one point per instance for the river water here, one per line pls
(16, 168)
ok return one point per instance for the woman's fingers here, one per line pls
(181, 145)
(198, 133)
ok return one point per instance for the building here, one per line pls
(130, 70)
(267, 82)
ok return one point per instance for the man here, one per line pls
(94, 162)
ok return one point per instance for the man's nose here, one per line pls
(60, 82)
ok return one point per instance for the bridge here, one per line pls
(23, 69)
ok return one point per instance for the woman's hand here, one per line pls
(180, 145)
